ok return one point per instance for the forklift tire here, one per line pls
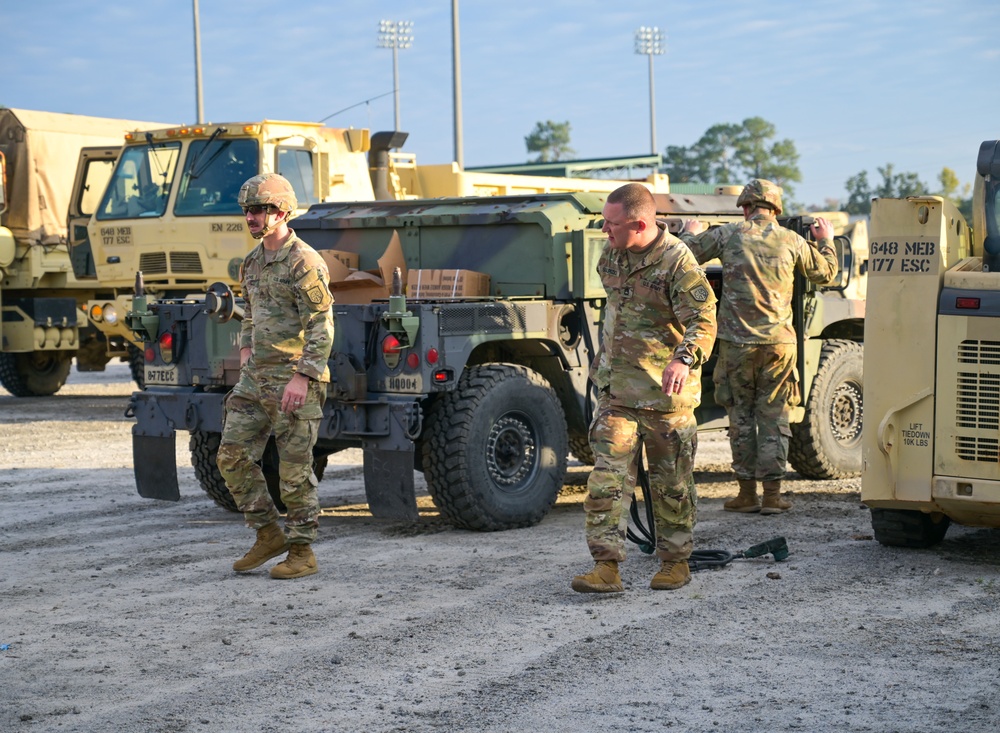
(908, 528)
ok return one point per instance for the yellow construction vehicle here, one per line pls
(931, 435)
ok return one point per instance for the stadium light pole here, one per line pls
(395, 35)
(649, 41)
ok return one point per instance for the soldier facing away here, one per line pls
(658, 330)
(755, 375)
(285, 343)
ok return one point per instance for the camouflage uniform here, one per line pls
(288, 325)
(755, 377)
(662, 308)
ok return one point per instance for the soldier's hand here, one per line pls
(821, 229)
(675, 377)
(295, 392)
(693, 226)
(245, 353)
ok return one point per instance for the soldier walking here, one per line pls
(285, 343)
(658, 330)
(755, 375)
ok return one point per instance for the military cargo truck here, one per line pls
(931, 446)
(54, 168)
(484, 388)
(170, 208)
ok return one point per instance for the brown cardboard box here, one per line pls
(353, 286)
(444, 284)
(348, 259)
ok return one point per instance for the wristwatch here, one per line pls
(685, 359)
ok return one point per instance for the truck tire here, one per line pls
(36, 373)
(204, 448)
(495, 449)
(137, 366)
(908, 528)
(827, 443)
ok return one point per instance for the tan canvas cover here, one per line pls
(42, 151)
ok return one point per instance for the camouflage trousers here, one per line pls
(670, 440)
(252, 414)
(757, 384)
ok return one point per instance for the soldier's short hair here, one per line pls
(636, 201)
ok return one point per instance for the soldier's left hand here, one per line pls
(675, 377)
(295, 392)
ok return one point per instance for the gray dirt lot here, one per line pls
(122, 614)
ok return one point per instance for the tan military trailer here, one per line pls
(54, 168)
(931, 438)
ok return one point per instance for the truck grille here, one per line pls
(153, 263)
(977, 402)
(498, 318)
(188, 262)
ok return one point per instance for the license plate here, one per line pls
(161, 375)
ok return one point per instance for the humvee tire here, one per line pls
(137, 366)
(204, 448)
(827, 443)
(495, 448)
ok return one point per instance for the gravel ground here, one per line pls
(123, 614)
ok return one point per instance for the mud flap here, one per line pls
(389, 484)
(154, 460)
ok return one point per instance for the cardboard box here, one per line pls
(364, 286)
(446, 284)
(348, 259)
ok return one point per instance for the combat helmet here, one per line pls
(760, 192)
(268, 189)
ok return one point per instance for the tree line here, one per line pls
(732, 153)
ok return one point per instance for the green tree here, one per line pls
(894, 185)
(953, 190)
(550, 140)
(733, 153)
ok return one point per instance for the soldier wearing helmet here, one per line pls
(285, 343)
(755, 375)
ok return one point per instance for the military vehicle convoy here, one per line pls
(464, 353)
(170, 207)
(53, 169)
(931, 439)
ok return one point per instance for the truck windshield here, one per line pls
(141, 182)
(214, 170)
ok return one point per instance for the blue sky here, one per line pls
(854, 83)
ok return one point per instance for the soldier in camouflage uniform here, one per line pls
(285, 343)
(658, 330)
(755, 375)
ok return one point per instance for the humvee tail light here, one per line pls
(391, 349)
(432, 356)
(412, 360)
(967, 303)
(149, 354)
(442, 376)
(167, 347)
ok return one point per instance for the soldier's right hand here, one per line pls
(693, 226)
(821, 229)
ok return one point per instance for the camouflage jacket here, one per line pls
(662, 308)
(287, 320)
(759, 258)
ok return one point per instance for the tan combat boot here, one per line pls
(673, 574)
(604, 578)
(271, 542)
(746, 501)
(773, 503)
(300, 562)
